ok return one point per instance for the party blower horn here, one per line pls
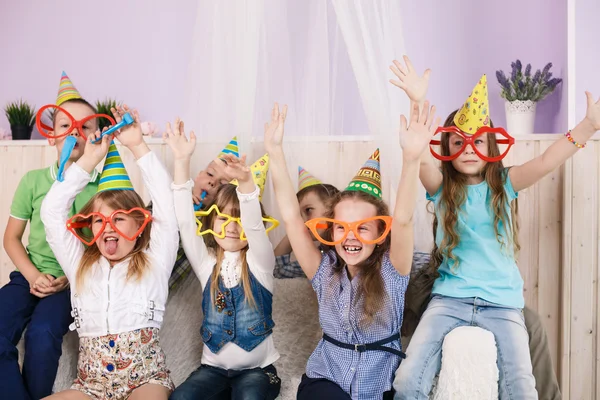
(71, 141)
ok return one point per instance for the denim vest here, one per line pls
(232, 319)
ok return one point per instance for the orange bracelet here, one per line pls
(578, 145)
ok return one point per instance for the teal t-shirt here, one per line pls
(486, 269)
(26, 205)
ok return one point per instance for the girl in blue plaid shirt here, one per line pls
(361, 280)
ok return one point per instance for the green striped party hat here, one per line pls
(114, 175)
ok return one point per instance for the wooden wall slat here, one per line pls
(549, 254)
(583, 294)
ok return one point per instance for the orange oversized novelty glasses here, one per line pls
(227, 219)
(470, 140)
(83, 126)
(359, 228)
(81, 225)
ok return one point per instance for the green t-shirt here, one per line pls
(26, 206)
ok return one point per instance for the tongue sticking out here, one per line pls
(111, 247)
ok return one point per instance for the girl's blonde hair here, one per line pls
(117, 200)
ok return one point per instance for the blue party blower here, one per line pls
(65, 154)
(198, 207)
(127, 120)
(71, 141)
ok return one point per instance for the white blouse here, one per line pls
(109, 303)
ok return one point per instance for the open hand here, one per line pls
(181, 147)
(414, 85)
(236, 168)
(415, 138)
(274, 129)
(593, 111)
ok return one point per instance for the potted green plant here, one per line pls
(20, 116)
(522, 92)
(103, 107)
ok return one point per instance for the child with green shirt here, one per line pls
(37, 296)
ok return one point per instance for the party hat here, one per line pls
(368, 178)
(475, 112)
(305, 179)
(114, 175)
(259, 173)
(66, 90)
(231, 148)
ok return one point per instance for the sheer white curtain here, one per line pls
(328, 60)
(373, 36)
(223, 71)
(244, 58)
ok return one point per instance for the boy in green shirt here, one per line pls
(37, 296)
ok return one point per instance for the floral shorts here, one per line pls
(112, 366)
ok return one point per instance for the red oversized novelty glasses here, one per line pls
(83, 126)
(362, 229)
(471, 140)
(82, 226)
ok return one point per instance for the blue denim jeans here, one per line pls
(47, 320)
(415, 376)
(212, 383)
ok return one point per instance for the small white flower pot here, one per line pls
(520, 117)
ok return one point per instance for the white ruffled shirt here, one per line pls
(109, 302)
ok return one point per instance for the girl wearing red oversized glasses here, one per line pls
(476, 237)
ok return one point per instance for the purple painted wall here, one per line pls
(587, 53)
(144, 60)
(462, 39)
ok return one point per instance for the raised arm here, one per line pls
(284, 247)
(307, 254)
(193, 245)
(164, 239)
(415, 87)
(59, 200)
(414, 140)
(525, 175)
(260, 248)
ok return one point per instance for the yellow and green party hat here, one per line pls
(475, 113)
(368, 178)
(259, 173)
(66, 90)
(114, 175)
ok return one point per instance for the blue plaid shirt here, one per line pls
(286, 268)
(362, 375)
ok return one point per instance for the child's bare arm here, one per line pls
(525, 175)
(13, 244)
(416, 87)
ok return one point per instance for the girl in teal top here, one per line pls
(476, 239)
